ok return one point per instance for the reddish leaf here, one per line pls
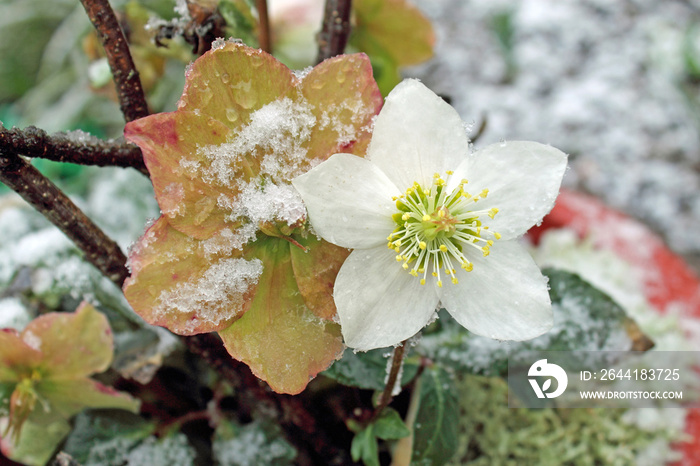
(187, 285)
(171, 145)
(73, 344)
(345, 98)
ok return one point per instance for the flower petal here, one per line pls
(349, 201)
(417, 134)
(379, 303)
(186, 285)
(505, 297)
(171, 144)
(279, 338)
(344, 98)
(523, 179)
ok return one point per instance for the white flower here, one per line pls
(449, 219)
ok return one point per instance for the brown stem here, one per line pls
(264, 35)
(131, 97)
(392, 380)
(63, 147)
(335, 29)
(45, 197)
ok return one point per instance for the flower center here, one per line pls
(435, 228)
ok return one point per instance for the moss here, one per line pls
(493, 434)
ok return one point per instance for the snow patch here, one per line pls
(215, 294)
(276, 133)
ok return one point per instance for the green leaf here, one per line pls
(240, 21)
(367, 370)
(259, 442)
(70, 396)
(435, 430)
(365, 447)
(16, 356)
(6, 390)
(584, 319)
(279, 338)
(38, 439)
(390, 426)
(387, 426)
(393, 32)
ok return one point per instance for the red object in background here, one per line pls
(669, 283)
(668, 280)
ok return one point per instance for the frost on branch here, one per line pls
(227, 253)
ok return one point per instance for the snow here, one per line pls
(216, 293)
(267, 203)
(276, 131)
(32, 340)
(13, 314)
(599, 80)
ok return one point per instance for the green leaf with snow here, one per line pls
(96, 432)
(584, 319)
(368, 370)
(170, 142)
(259, 442)
(173, 450)
(436, 428)
(133, 448)
(344, 99)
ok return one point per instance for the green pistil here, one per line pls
(433, 226)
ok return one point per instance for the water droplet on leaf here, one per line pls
(231, 114)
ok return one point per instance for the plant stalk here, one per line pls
(335, 29)
(392, 380)
(44, 196)
(132, 100)
(61, 147)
